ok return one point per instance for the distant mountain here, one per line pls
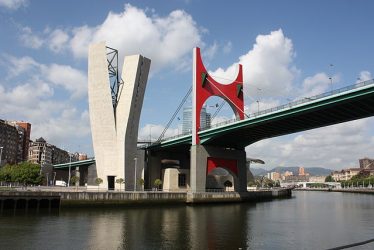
(314, 171)
(258, 171)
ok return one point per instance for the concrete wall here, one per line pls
(199, 156)
(170, 179)
(114, 132)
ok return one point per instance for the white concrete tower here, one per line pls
(114, 125)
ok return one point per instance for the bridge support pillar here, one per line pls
(205, 158)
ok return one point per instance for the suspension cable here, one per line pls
(175, 114)
(218, 109)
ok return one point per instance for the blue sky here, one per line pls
(286, 49)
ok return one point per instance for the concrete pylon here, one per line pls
(115, 130)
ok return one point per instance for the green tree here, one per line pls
(141, 182)
(120, 181)
(329, 179)
(75, 181)
(98, 181)
(157, 183)
(6, 173)
(27, 173)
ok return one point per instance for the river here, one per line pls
(308, 220)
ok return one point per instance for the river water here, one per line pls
(308, 220)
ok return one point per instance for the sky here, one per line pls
(288, 49)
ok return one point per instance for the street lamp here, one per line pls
(54, 178)
(331, 65)
(136, 160)
(69, 170)
(1, 154)
(258, 106)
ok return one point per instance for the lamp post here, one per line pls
(69, 170)
(54, 178)
(136, 160)
(1, 154)
(258, 106)
(331, 65)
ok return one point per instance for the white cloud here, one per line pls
(154, 131)
(364, 76)
(58, 40)
(18, 66)
(29, 39)
(227, 47)
(268, 66)
(68, 125)
(336, 147)
(13, 4)
(211, 51)
(166, 40)
(73, 80)
(260, 105)
(69, 78)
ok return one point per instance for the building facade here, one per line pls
(43, 153)
(40, 152)
(205, 119)
(9, 141)
(14, 140)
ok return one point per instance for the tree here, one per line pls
(329, 179)
(98, 181)
(6, 173)
(120, 181)
(157, 183)
(24, 172)
(141, 182)
(75, 180)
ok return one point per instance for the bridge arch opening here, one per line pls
(216, 110)
(221, 174)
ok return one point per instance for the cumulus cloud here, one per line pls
(65, 76)
(32, 94)
(335, 147)
(13, 4)
(267, 66)
(73, 80)
(58, 40)
(30, 39)
(166, 40)
(153, 132)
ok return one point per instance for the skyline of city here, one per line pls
(48, 54)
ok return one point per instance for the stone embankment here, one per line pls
(115, 198)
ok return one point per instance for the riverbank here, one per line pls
(115, 198)
(343, 190)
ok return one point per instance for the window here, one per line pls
(181, 180)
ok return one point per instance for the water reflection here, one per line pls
(312, 220)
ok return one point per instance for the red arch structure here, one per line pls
(204, 86)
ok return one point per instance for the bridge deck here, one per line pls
(347, 104)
